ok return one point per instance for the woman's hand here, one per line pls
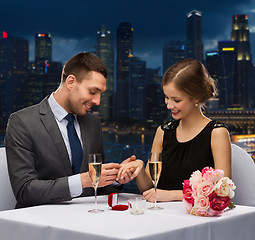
(163, 195)
(129, 170)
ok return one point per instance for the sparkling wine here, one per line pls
(95, 172)
(155, 171)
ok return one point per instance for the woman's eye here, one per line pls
(177, 101)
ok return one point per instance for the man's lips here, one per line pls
(88, 106)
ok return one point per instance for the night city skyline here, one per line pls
(74, 25)
(129, 71)
(49, 33)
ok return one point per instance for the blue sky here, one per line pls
(74, 23)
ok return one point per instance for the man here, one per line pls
(39, 151)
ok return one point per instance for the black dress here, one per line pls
(181, 159)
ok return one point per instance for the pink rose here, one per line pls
(202, 203)
(195, 185)
(205, 170)
(205, 188)
(218, 203)
(218, 175)
(212, 175)
(187, 192)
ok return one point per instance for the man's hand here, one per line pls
(108, 174)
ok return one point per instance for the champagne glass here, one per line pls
(95, 166)
(155, 166)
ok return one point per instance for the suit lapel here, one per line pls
(52, 128)
(86, 142)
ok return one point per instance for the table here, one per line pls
(72, 221)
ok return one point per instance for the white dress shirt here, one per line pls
(60, 113)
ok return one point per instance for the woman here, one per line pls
(190, 142)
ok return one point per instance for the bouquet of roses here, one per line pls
(208, 193)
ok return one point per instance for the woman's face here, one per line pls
(180, 104)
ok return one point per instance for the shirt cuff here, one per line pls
(75, 186)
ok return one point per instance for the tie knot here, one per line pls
(69, 117)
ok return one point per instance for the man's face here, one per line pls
(85, 94)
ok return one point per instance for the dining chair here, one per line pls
(7, 199)
(243, 175)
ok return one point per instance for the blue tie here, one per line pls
(75, 144)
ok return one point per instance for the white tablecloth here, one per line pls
(72, 221)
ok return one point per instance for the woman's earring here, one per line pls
(196, 105)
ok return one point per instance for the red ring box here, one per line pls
(113, 202)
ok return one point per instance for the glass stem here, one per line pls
(155, 201)
(95, 198)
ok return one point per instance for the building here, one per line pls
(153, 75)
(194, 35)
(124, 52)
(212, 66)
(240, 34)
(173, 52)
(43, 51)
(13, 76)
(105, 52)
(137, 81)
(238, 120)
(52, 78)
(212, 63)
(227, 78)
(38, 79)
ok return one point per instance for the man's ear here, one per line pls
(70, 80)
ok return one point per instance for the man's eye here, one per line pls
(92, 93)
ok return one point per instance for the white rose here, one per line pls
(225, 187)
(195, 177)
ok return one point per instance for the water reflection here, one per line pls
(142, 139)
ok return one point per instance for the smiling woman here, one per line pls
(191, 141)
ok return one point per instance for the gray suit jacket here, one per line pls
(38, 161)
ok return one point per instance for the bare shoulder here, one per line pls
(221, 150)
(159, 131)
(220, 132)
(158, 140)
(159, 135)
(220, 138)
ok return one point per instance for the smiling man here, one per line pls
(48, 144)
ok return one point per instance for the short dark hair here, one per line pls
(191, 77)
(81, 64)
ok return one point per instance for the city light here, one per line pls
(212, 54)
(228, 49)
(5, 34)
